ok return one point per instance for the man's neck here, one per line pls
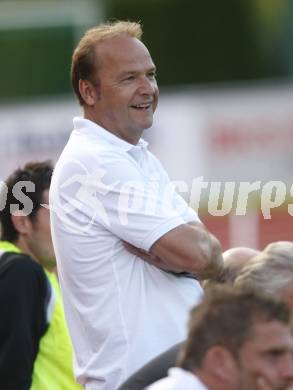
(130, 138)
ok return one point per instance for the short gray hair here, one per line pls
(271, 271)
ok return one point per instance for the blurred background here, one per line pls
(225, 72)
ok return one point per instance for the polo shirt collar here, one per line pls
(89, 127)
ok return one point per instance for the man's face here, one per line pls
(39, 238)
(127, 93)
(267, 354)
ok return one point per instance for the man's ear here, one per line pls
(88, 91)
(21, 222)
(221, 363)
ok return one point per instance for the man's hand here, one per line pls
(215, 262)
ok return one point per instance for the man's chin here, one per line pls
(147, 124)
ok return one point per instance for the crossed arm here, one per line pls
(187, 248)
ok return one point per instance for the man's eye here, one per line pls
(128, 78)
(275, 354)
(152, 75)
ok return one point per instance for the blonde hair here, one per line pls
(271, 271)
(84, 62)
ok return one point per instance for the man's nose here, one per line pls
(147, 86)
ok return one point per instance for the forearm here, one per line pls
(195, 251)
(188, 248)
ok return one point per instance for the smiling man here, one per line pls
(128, 247)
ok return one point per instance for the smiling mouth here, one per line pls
(142, 107)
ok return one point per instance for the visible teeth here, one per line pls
(143, 105)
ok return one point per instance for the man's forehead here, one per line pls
(123, 48)
(272, 333)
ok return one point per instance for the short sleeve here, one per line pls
(133, 205)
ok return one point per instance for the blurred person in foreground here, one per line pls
(128, 247)
(271, 272)
(35, 348)
(238, 340)
(234, 260)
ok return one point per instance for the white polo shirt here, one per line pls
(121, 311)
(178, 379)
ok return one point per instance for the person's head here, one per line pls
(234, 260)
(113, 76)
(237, 336)
(271, 272)
(28, 188)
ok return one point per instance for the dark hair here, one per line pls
(225, 318)
(38, 173)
